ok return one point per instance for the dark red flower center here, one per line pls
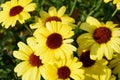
(85, 58)
(53, 18)
(15, 10)
(63, 72)
(35, 60)
(102, 35)
(54, 41)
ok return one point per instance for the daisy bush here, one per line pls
(59, 39)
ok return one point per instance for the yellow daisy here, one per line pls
(94, 69)
(115, 65)
(64, 70)
(52, 15)
(16, 10)
(31, 65)
(102, 39)
(54, 40)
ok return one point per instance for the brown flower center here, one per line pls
(63, 72)
(102, 35)
(54, 41)
(85, 58)
(35, 60)
(15, 10)
(53, 18)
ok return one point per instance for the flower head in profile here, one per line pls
(31, 65)
(16, 10)
(64, 69)
(54, 40)
(94, 69)
(52, 15)
(102, 39)
(115, 65)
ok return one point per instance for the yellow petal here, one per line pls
(22, 67)
(14, 2)
(114, 45)
(115, 32)
(30, 7)
(24, 2)
(32, 74)
(20, 55)
(24, 16)
(68, 49)
(52, 11)
(61, 11)
(59, 54)
(92, 21)
(66, 19)
(116, 1)
(26, 49)
(100, 52)
(110, 24)
(93, 51)
(40, 50)
(44, 15)
(31, 41)
(87, 27)
(107, 53)
(42, 31)
(68, 41)
(66, 31)
(118, 6)
(52, 26)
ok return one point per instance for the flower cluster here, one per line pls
(55, 52)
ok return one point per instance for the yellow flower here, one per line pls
(94, 69)
(64, 70)
(54, 40)
(16, 10)
(115, 65)
(31, 65)
(102, 39)
(52, 15)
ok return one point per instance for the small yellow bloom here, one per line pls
(102, 39)
(94, 69)
(52, 15)
(31, 65)
(54, 40)
(16, 10)
(64, 70)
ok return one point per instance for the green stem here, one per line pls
(31, 32)
(74, 4)
(113, 14)
(97, 7)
